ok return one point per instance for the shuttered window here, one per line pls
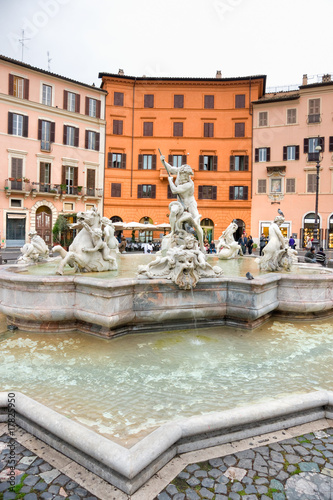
(71, 101)
(177, 160)
(314, 111)
(262, 186)
(18, 87)
(239, 163)
(146, 191)
(330, 144)
(239, 129)
(16, 172)
(44, 177)
(149, 100)
(148, 129)
(209, 102)
(290, 153)
(69, 178)
(18, 124)
(240, 101)
(115, 190)
(290, 185)
(207, 192)
(71, 136)
(238, 192)
(312, 179)
(46, 134)
(262, 154)
(171, 195)
(93, 107)
(291, 116)
(178, 129)
(116, 160)
(207, 162)
(178, 101)
(92, 140)
(263, 119)
(118, 127)
(208, 129)
(118, 99)
(91, 179)
(147, 162)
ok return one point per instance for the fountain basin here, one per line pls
(110, 307)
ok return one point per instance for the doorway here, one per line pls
(44, 224)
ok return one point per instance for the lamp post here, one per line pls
(316, 224)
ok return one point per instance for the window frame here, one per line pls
(263, 122)
(288, 120)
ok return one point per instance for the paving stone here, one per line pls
(46, 496)
(221, 488)
(44, 467)
(71, 485)
(206, 493)
(249, 497)
(171, 489)
(251, 473)
(4, 486)
(277, 457)
(288, 448)
(183, 475)
(191, 495)
(245, 463)
(221, 497)
(9, 495)
(276, 447)
(208, 483)
(50, 475)
(41, 486)
(264, 497)
(80, 491)
(247, 480)
(320, 447)
(74, 497)
(28, 460)
(316, 453)
(31, 480)
(230, 460)
(309, 467)
(279, 496)
(261, 480)
(276, 465)
(61, 497)
(309, 486)
(32, 470)
(276, 485)
(215, 462)
(234, 496)
(54, 489)
(245, 454)
(282, 475)
(327, 454)
(308, 446)
(192, 468)
(223, 479)
(22, 467)
(318, 460)
(163, 496)
(291, 468)
(26, 489)
(62, 480)
(262, 489)
(250, 489)
(291, 441)
(179, 496)
(193, 481)
(215, 473)
(260, 461)
(292, 459)
(30, 496)
(237, 487)
(200, 473)
(263, 450)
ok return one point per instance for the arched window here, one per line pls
(146, 236)
(115, 218)
(208, 229)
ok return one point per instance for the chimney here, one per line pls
(218, 73)
(305, 80)
(121, 72)
(326, 78)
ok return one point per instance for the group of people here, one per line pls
(313, 257)
(210, 247)
(246, 242)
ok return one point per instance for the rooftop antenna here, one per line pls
(21, 41)
(48, 61)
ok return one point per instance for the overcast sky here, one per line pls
(193, 38)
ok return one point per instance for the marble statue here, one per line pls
(275, 254)
(93, 248)
(34, 251)
(227, 247)
(183, 257)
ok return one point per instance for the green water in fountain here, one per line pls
(126, 387)
(128, 266)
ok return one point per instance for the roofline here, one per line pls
(293, 97)
(318, 84)
(184, 79)
(33, 68)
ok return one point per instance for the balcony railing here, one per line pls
(17, 184)
(313, 156)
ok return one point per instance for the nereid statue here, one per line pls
(182, 258)
(227, 247)
(93, 248)
(276, 256)
(34, 251)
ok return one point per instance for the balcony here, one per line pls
(34, 189)
(17, 185)
(315, 118)
(313, 156)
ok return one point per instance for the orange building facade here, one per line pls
(206, 123)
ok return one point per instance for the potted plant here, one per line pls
(25, 179)
(63, 188)
(18, 179)
(79, 190)
(11, 179)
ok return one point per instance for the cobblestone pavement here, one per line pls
(294, 469)
(34, 477)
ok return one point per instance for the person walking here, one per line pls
(292, 243)
(262, 243)
(242, 242)
(249, 244)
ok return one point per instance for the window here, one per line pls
(207, 192)
(68, 207)
(16, 173)
(116, 190)
(18, 87)
(312, 180)
(239, 129)
(177, 160)
(239, 163)
(69, 179)
(240, 101)
(171, 195)
(178, 101)
(148, 129)
(116, 160)
(276, 186)
(263, 119)
(91, 176)
(118, 99)
(178, 129)
(209, 102)
(290, 185)
(47, 95)
(330, 148)
(208, 129)
(146, 191)
(118, 127)
(290, 153)
(71, 101)
(149, 101)
(16, 203)
(46, 134)
(92, 140)
(18, 124)
(262, 154)
(207, 162)
(291, 116)
(262, 186)
(71, 136)
(147, 162)
(44, 177)
(93, 107)
(310, 147)
(238, 192)
(314, 111)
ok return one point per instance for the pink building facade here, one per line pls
(52, 142)
(287, 128)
